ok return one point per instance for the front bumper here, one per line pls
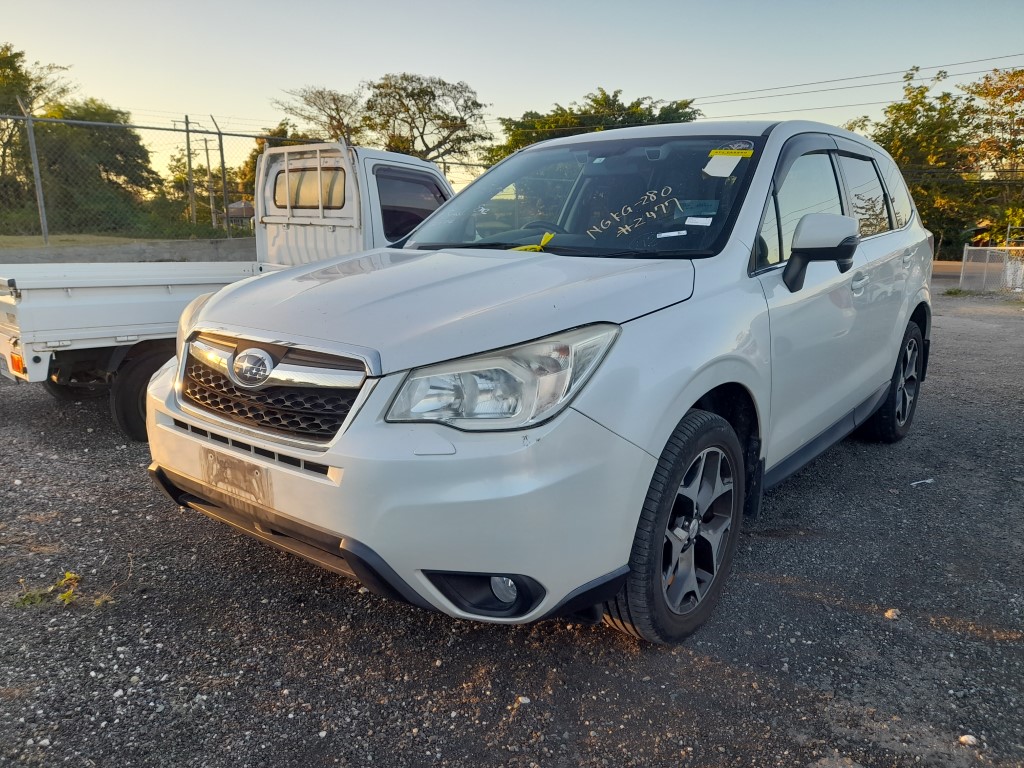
(395, 504)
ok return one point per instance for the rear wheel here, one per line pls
(128, 392)
(891, 422)
(687, 535)
(74, 390)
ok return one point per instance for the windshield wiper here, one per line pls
(444, 246)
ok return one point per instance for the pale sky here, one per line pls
(160, 61)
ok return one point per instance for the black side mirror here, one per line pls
(821, 237)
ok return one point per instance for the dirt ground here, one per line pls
(875, 617)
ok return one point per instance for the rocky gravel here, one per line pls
(875, 617)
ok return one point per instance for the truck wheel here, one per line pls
(128, 392)
(69, 393)
(891, 422)
(688, 531)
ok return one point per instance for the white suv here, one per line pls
(564, 392)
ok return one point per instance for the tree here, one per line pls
(425, 116)
(35, 85)
(332, 113)
(598, 111)
(931, 138)
(93, 177)
(999, 100)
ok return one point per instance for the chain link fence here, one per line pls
(76, 182)
(992, 269)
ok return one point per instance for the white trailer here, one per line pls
(86, 329)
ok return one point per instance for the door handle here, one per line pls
(859, 282)
(908, 256)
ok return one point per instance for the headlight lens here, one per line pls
(508, 388)
(188, 317)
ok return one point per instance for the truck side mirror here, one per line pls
(821, 237)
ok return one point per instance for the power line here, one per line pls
(856, 77)
(837, 88)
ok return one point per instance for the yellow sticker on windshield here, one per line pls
(731, 153)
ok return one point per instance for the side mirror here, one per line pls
(820, 237)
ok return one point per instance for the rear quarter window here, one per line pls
(902, 206)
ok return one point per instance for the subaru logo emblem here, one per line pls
(251, 368)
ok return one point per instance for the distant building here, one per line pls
(240, 213)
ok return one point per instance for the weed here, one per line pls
(66, 589)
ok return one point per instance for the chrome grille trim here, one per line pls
(284, 374)
(256, 431)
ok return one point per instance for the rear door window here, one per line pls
(867, 198)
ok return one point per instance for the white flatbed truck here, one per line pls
(84, 329)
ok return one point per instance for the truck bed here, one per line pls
(47, 308)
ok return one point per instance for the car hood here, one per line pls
(414, 308)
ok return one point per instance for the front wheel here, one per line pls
(687, 535)
(891, 422)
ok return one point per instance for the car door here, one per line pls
(816, 348)
(401, 196)
(879, 290)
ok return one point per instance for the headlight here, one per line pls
(508, 388)
(188, 317)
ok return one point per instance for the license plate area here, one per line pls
(4, 370)
(238, 478)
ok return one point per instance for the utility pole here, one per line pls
(209, 184)
(191, 184)
(223, 178)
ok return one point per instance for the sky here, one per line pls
(162, 60)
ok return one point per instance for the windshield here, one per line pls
(637, 197)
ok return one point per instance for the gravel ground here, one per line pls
(873, 619)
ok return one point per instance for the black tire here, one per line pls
(70, 393)
(892, 421)
(128, 392)
(676, 573)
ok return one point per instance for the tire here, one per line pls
(892, 421)
(70, 393)
(687, 535)
(128, 392)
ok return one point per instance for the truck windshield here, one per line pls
(637, 197)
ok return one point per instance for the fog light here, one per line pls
(504, 589)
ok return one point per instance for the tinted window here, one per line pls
(302, 188)
(809, 187)
(866, 194)
(406, 199)
(767, 252)
(902, 207)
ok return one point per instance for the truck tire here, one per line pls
(687, 533)
(70, 393)
(128, 391)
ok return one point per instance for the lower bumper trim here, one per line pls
(342, 555)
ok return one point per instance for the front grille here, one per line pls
(310, 413)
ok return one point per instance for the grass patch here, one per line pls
(959, 292)
(56, 241)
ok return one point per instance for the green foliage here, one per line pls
(425, 116)
(422, 116)
(962, 155)
(330, 112)
(64, 591)
(598, 111)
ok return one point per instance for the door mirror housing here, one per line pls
(821, 237)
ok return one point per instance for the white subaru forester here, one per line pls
(565, 390)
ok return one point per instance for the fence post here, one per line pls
(35, 173)
(984, 275)
(963, 266)
(223, 179)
